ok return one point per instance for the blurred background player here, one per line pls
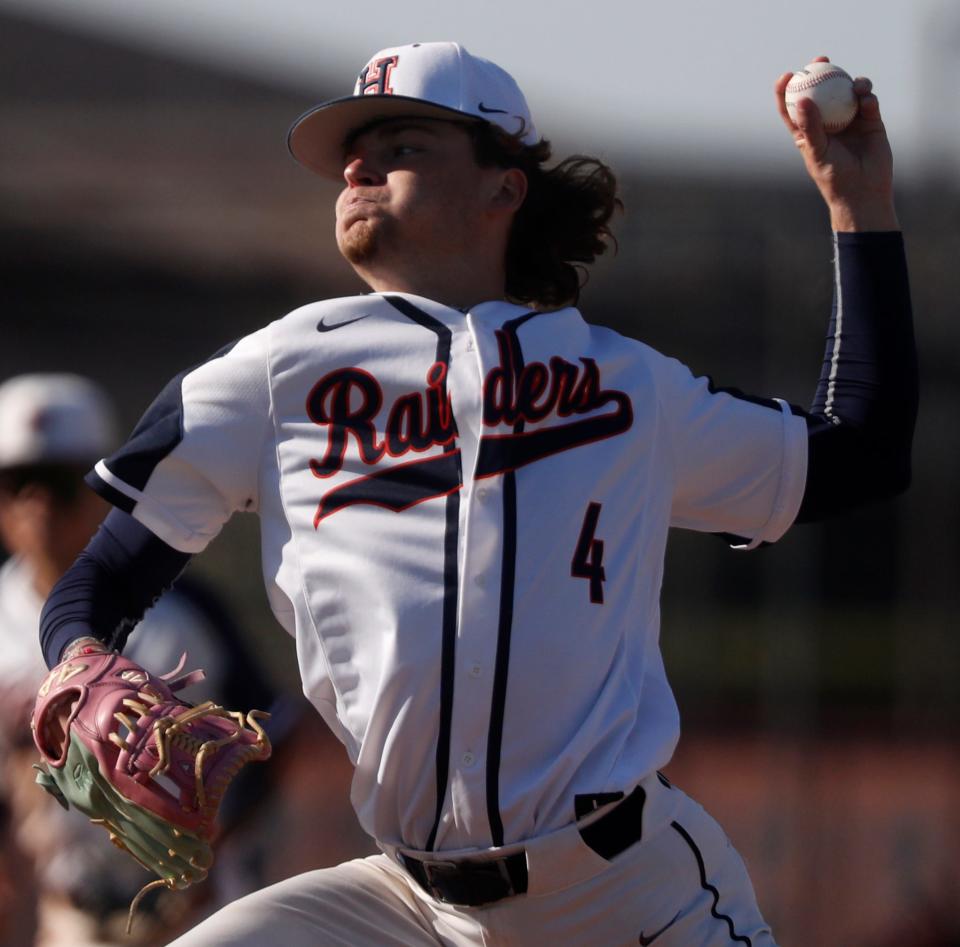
(59, 883)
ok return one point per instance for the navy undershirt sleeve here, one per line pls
(120, 574)
(861, 422)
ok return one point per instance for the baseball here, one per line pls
(830, 87)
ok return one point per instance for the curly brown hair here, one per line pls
(564, 222)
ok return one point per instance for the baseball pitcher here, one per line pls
(465, 491)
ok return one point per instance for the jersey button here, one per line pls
(478, 581)
(482, 493)
(468, 759)
(475, 670)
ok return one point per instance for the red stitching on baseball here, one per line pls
(811, 81)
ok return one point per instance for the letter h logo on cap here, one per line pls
(375, 78)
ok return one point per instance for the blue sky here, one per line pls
(670, 81)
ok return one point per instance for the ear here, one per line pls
(511, 190)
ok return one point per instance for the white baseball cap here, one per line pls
(432, 80)
(54, 418)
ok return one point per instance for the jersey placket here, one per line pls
(464, 822)
(488, 538)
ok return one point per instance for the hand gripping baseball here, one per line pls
(853, 169)
(147, 766)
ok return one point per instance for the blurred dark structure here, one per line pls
(149, 213)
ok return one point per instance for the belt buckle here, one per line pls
(440, 869)
(438, 875)
(471, 882)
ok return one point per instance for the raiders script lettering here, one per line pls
(347, 402)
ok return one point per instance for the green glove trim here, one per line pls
(177, 857)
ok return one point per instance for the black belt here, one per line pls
(472, 881)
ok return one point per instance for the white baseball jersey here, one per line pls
(464, 518)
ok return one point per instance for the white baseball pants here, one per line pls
(681, 885)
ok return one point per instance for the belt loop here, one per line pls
(516, 869)
(415, 868)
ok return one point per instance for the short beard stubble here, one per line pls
(359, 243)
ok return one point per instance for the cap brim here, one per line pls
(317, 138)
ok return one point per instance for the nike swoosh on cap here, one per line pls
(484, 109)
(323, 327)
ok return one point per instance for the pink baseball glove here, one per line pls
(118, 745)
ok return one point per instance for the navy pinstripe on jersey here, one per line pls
(451, 579)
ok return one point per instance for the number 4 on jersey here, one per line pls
(588, 556)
